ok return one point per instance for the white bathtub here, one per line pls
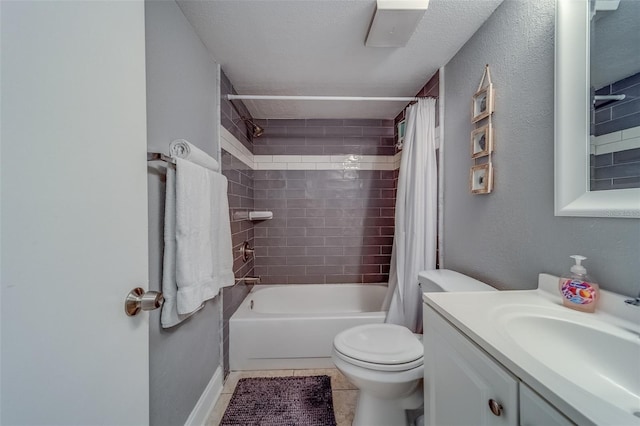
(293, 326)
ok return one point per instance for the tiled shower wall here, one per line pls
(240, 195)
(325, 137)
(232, 112)
(329, 226)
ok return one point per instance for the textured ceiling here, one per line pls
(316, 47)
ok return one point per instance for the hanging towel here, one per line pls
(181, 148)
(198, 257)
(170, 316)
(204, 260)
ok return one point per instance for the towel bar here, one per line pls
(158, 156)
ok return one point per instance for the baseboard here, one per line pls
(207, 400)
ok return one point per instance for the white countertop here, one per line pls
(477, 314)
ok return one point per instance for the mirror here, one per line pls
(574, 109)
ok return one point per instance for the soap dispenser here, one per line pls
(578, 290)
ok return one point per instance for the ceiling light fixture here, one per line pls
(394, 22)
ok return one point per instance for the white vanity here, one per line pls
(521, 358)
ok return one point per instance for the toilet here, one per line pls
(385, 361)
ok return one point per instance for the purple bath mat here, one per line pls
(281, 401)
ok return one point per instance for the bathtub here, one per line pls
(293, 326)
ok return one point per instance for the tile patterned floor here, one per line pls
(344, 393)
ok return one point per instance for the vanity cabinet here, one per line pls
(535, 411)
(466, 386)
(463, 385)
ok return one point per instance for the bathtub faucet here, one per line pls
(249, 280)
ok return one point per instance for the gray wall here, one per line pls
(508, 237)
(181, 103)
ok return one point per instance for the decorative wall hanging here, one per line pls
(482, 141)
(482, 108)
(482, 100)
(481, 178)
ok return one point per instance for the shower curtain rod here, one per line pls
(320, 98)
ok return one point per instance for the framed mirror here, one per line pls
(576, 194)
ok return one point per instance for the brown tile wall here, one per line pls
(325, 137)
(329, 226)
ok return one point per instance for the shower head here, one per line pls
(256, 130)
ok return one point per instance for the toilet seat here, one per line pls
(390, 368)
(385, 347)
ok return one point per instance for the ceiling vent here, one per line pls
(394, 22)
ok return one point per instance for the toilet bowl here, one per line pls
(385, 361)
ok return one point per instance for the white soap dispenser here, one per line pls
(578, 290)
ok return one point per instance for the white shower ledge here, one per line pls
(585, 364)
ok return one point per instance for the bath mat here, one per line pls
(281, 401)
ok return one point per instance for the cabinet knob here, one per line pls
(495, 407)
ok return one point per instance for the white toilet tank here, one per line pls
(438, 280)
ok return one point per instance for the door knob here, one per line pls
(138, 300)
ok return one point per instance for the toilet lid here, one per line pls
(380, 344)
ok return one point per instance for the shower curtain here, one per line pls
(414, 243)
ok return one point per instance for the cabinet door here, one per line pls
(535, 411)
(462, 380)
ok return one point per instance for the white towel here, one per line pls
(181, 148)
(204, 259)
(170, 316)
(198, 258)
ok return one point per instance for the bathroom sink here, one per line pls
(600, 357)
(586, 365)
